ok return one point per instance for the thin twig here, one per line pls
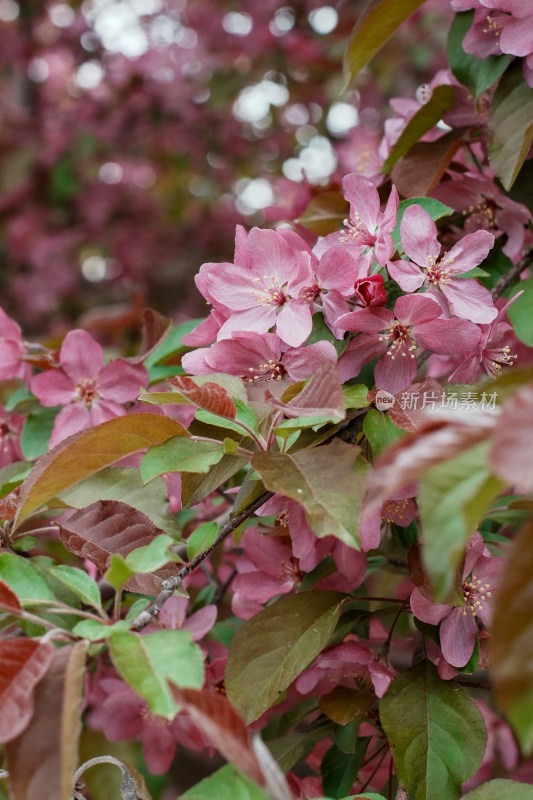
(169, 586)
(509, 277)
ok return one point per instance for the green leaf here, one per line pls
(316, 421)
(172, 344)
(246, 415)
(425, 118)
(195, 487)
(125, 484)
(476, 73)
(12, 476)
(453, 497)
(225, 784)
(24, 579)
(118, 573)
(339, 770)
(499, 789)
(147, 662)
(37, 431)
(380, 430)
(201, 538)
(93, 630)
(328, 481)
(222, 423)
(152, 556)
(273, 647)
(356, 396)
(510, 125)
(511, 650)
(436, 733)
(89, 451)
(180, 454)
(434, 208)
(520, 312)
(288, 750)
(325, 213)
(376, 25)
(80, 583)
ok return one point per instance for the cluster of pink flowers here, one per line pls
(265, 302)
(500, 26)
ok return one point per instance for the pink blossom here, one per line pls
(485, 206)
(259, 357)
(458, 624)
(467, 298)
(10, 430)
(122, 714)
(414, 323)
(90, 392)
(12, 347)
(492, 351)
(266, 292)
(367, 226)
(399, 509)
(173, 616)
(351, 663)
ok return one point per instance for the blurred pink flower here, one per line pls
(10, 430)
(91, 392)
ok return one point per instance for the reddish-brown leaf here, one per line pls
(89, 451)
(424, 165)
(414, 453)
(210, 396)
(23, 663)
(8, 599)
(513, 441)
(155, 329)
(108, 527)
(9, 504)
(42, 760)
(322, 395)
(216, 717)
(343, 704)
(325, 213)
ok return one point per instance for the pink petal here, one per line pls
(334, 306)
(338, 269)
(53, 388)
(458, 636)
(407, 275)
(80, 355)
(301, 362)
(415, 309)
(469, 251)
(418, 235)
(366, 320)
(201, 622)
(425, 610)
(470, 300)
(258, 319)
(447, 336)
(71, 419)
(363, 197)
(394, 373)
(122, 382)
(294, 323)
(363, 348)
(270, 254)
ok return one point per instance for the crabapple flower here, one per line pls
(367, 226)
(12, 347)
(90, 392)
(458, 624)
(467, 298)
(266, 292)
(259, 357)
(351, 664)
(414, 323)
(492, 350)
(10, 430)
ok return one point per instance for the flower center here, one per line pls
(270, 293)
(497, 357)
(400, 340)
(356, 231)
(269, 371)
(88, 391)
(291, 570)
(494, 26)
(440, 273)
(475, 594)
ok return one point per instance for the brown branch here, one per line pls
(169, 586)
(509, 277)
